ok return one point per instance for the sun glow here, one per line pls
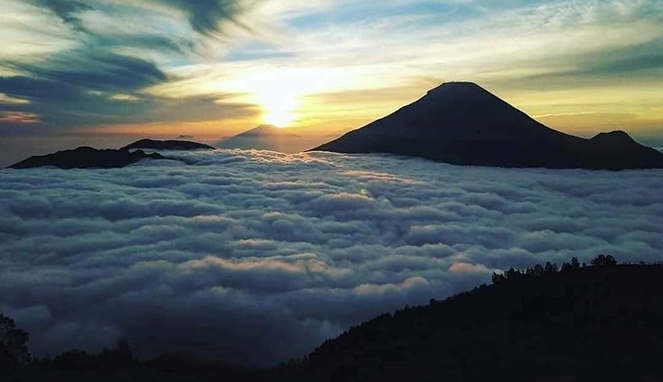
(282, 94)
(279, 109)
(286, 96)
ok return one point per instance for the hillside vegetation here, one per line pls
(603, 321)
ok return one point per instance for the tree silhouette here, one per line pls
(550, 268)
(13, 342)
(121, 356)
(496, 278)
(603, 261)
(574, 264)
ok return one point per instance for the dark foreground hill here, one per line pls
(174, 145)
(602, 322)
(86, 157)
(462, 123)
(580, 324)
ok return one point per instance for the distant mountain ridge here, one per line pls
(175, 145)
(86, 157)
(462, 123)
(263, 137)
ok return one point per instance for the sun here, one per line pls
(278, 118)
(278, 109)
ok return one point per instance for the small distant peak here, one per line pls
(266, 127)
(263, 131)
(616, 133)
(613, 136)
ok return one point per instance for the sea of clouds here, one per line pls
(257, 257)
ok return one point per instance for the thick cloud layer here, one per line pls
(258, 257)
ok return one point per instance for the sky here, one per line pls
(105, 72)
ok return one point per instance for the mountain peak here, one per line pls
(464, 93)
(263, 137)
(266, 131)
(266, 127)
(462, 123)
(457, 86)
(617, 136)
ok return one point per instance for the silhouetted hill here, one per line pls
(167, 145)
(264, 137)
(86, 157)
(592, 323)
(462, 123)
(602, 322)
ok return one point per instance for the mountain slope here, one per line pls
(264, 137)
(462, 123)
(592, 323)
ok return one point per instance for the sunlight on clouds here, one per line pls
(23, 25)
(9, 100)
(125, 98)
(18, 117)
(373, 54)
(376, 64)
(207, 131)
(336, 64)
(292, 89)
(578, 110)
(281, 92)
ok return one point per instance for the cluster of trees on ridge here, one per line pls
(552, 268)
(598, 321)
